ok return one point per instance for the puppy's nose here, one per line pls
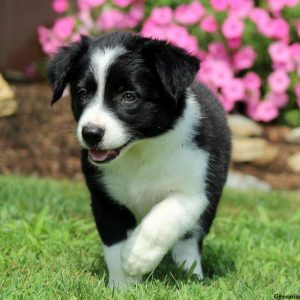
(92, 135)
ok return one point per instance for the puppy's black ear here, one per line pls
(61, 65)
(174, 66)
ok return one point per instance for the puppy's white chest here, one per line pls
(139, 188)
(140, 185)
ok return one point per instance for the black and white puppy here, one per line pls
(155, 148)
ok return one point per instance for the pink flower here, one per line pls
(241, 8)
(298, 27)
(60, 6)
(88, 4)
(52, 47)
(122, 3)
(266, 29)
(176, 31)
(76, 37)
(251, 107)
(295, 51)
(234, 90)
(234, 43)
(279, 100)
(63, 27)
(181, 37)
(162, 15)
(227, 104)
(291, 3)
(86, 19)
(134, 16)
(279, 81)
(252, 96)
(276, 5)
(218, 51)
(220, 73)
(190, 44)
(259, 16)
(265, 111)
(189, 14)
(204, 74)
(280, 29)
(110, 19)
(209, 24)
(31, 71)
(279, 52)
(151, 29)
(44, 34)
(50, 43)
(219, 5)
(244, 58)
(137, 12)
(252, 81)
(201, 54)
(232, 28)
(281, 56)
(287, 66)
(128, 22)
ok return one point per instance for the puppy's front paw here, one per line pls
(140, 257)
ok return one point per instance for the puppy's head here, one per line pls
(123, 88)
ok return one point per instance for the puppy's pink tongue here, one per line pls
(100, 155)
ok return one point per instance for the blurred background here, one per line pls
(250, 57)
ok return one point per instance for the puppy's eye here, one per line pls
(83, 94)
(128, 97)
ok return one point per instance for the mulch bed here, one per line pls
(41, 140)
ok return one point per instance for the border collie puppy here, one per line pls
(155, 148)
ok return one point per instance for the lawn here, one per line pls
(49, 247)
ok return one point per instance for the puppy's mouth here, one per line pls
(100, 156)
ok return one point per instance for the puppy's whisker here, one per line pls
(136, 133)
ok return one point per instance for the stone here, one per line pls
(8, 104)
(294, 163)
(8, 107)
(243, 127)
(240, 181)
(255, 150)
(293, 136)
(267, 156)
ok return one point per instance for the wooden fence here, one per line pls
(18, 38)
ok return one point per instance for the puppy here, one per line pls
(155, 148)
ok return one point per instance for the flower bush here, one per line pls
(249, 52)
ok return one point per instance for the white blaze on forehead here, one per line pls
(101, 60)
(96, 112)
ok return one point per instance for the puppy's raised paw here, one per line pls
(140, 257)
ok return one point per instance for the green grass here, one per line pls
(49, 248)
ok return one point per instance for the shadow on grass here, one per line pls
(99, 269)
(217, 261)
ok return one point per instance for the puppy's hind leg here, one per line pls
(186, 254)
